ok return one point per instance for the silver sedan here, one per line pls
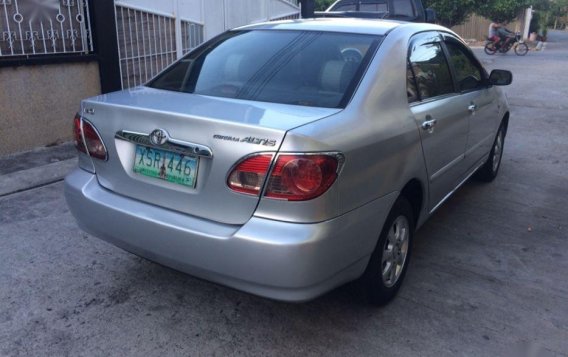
(287, 158)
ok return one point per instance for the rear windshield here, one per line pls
(309, 68)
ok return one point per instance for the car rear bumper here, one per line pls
(280, 260)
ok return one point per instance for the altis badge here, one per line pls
(248, 139)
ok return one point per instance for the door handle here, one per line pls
(429, 124)
(472, 107)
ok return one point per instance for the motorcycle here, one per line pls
(503, 46)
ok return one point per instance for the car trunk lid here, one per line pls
(218, 132)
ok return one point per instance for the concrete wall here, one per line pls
(37, 103)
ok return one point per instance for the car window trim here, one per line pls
(414, 81)
(454, 75)
(437, 39)
(361, 72)
(450, 63)
(198, 51)
(447, 37)
(451, 37)
(434, 99)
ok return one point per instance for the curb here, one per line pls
(35, 177)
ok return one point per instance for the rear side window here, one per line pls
(468, 73)
(375, 7)
(403, 8)
(307, 68)
(428, 66)
(345, 7)
(395, 8)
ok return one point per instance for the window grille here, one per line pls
(43, 27)
(191, 35)
(287, 17)
(147, 43)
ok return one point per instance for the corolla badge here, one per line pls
(248, 139)
(158, 137)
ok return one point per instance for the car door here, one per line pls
(438, 111)
(479, 102)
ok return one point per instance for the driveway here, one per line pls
(488, 276)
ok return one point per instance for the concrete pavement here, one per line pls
(488, 275)
(42, 166)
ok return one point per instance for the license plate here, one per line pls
(166, 165)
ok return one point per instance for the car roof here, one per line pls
(347, 25)
(353, 25)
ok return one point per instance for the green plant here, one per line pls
(502, 10)
(451, 12)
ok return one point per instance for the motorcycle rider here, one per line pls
(493, 35)
(505, 35)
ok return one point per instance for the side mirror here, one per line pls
(430, 15)
(500, 77)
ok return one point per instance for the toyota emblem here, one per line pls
(158, 137)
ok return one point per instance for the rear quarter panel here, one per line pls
(376, 133)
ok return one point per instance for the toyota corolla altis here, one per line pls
(287, 158)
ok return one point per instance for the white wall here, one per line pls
(216, 15)
(221, 15)
(214, 18)
(187, 9)
(279, 8)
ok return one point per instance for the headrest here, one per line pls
(233, 67)
(336, 75)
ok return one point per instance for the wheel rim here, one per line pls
(497, 149)
(521, 49)
(395, 251)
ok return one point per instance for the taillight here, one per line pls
(302, 177)
(78, 134)
(248, 176)
(87, 139)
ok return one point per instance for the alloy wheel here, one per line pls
(497, 150)
(395, 251)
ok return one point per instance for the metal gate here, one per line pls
(152, 35)
(150, 41)
(40, 27)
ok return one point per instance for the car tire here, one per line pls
(388, 264)
(489, 170)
